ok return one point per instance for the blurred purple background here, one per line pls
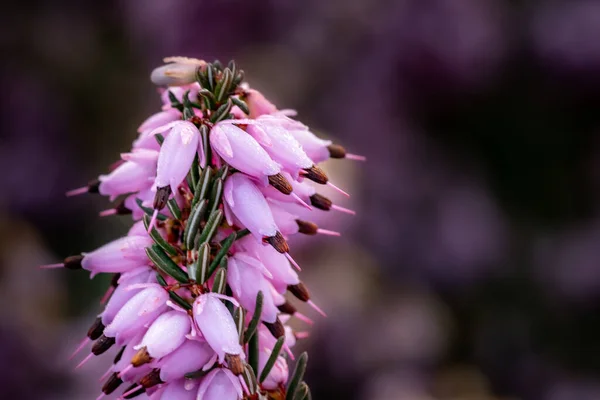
(472, 270)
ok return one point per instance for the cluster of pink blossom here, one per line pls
(215, 182)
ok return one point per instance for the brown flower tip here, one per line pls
(276, 328)
(336, 151)
(287, 308)
(300, 291)
(73, 262)
(316, 174)
(119, 355)
(321, 202)
(161, 197)
(141, 357)
(278, 243)
(112, 383)
(114, 281)
(121, 209)
(307, 227)
(234, 363)
(96, 329)
(135, 393)
(279, 182)
(102, 344)
(93, 186)
(152, 379)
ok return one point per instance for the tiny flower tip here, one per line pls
(152, 221)
(316, 308)
(356, 157)
(303, 318)
(133, 390)
(85, 360)
(301, 335)
(101, 396)
(107, 295)
(106, 213)
(125, 370)
(52, 266)
(337, 189)
(342, 209)
(78, 191)
(287, 349)
(292, 261)
(78, 349)
(328, 232)
(300, 201)
(105, 374)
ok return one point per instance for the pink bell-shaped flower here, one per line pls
(216, 324)
(190, 356)
(165, 334)
(174, 391)
(220, 384)
(249, 206)
(176, 154)
(278, 374)
(257, 103)
(141, 309)
(242, 152)
(246, 279)
(120, 255)
(123, 294)
(126, 178)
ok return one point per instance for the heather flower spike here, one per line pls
(214, 183)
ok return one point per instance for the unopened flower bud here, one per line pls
(174, 74)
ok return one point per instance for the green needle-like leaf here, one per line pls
(296, 376)
(163, 262)
(202, 263)
(193, 223)
(253, 325)
(174, 208)
(157, 237)
(149, 211)
(272, 358)
(211, 226)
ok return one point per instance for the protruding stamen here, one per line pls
(321, 202)
(328, 232)
(316, 308)
(278, 242)
(316, 174)
(300, 291)
(276, 328)
(71, 262)
(342, 209)
(52, 266)
(279, 182)
(307, 227)
(86, 359)
(152, 379)
(78, 191)
(102, 344)
(141, 357)
(96, 329)
(336, 151)
(235, 364)
(112, 384)
(300, 201)
(101, 396)
(84, 342)
(125, 370)
(337, 188)
(292, 261)
(105, 374)
(288, 351)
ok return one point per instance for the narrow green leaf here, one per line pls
(222, 112)
(224, 85)
(223, 171)
(302, 392)
(225, 246)
(175, 103)
(193, 223)
(253, 353)
(197, 374)
(159, 138)
(272, 358)
(204, 133)
(240, 317)
(174, 296)
(210, 77)
(231, 65)
(211, 226)
(201, 190)
(238, 78)
(220, 281)
(296, 376)
(194, 174)
(250, 378)
(241, 104)
(157, 237)
(149, 211)
(253, 325)
(201, 77)
(163, 262)
(202, 263)
(174, 208)
(215, 194)
(242, 233)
